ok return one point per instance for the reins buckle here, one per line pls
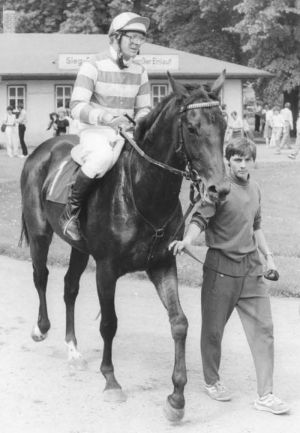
(194, 176)
(159, 233)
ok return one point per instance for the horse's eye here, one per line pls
(191, 128)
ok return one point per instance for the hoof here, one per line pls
(75, 359)
(172, 414)
(37, 335)
(78, 364)
(114, 396)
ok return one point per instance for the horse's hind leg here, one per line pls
(77, 264)
(164, 277)
(106, 287)
(39, 247)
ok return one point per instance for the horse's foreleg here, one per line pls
(39, 247)
(106, 286)
(164, 277)
(77, 264)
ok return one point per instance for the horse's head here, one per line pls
(201, 129)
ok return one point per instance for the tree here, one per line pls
(79, 17)
(198, 26)
(269, 31)
(40, 16)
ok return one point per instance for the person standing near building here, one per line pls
(235, 126)
(268, 127)
(107, 88)
(22, 121)
(287, 115)
(257, 116)
(233, 277)
(11, 133)
(277, 124)
(61, 123)
(293, 155)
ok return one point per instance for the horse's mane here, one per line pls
(196, 91)
(147, 121)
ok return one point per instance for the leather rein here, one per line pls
(189, 174)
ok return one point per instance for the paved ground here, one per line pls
(40, 394)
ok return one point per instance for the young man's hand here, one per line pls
(177, 247)
(271, 272)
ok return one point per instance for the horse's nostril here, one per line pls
(212, 189)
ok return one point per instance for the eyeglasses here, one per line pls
(137, 39)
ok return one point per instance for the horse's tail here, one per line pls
(24, 233)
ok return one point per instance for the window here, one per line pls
(16, 96)
(159, 91)
(63, 96)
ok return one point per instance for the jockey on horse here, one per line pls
(107, 87)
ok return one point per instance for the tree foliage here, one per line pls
(198, 26)
(261, 33)
(269, 31)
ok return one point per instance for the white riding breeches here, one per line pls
(98, 150)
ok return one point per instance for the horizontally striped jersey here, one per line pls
(102, 90)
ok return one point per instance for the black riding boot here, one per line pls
(69, 219)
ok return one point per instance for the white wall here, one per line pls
(233, 96)
(40, 101)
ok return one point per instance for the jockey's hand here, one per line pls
(178, 246)
(120, 122)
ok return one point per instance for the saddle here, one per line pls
(59, 182)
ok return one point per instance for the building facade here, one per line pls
(39, 70)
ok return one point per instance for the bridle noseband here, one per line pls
(189, 174)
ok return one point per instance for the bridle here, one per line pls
(190, 174)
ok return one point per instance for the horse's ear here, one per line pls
(177, 88)
(218, 84)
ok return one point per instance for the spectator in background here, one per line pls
(62, 123)
(293, 155)
(224, 112)
(257, 116)
(52, 124)
(263, 118)
(22, 121)
(11, 133)
(268, 127)
(277, 124)
(246, 127)
(287, 115)
(235, 126)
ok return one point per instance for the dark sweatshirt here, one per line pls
(229, 227)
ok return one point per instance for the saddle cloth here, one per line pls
(59, 182)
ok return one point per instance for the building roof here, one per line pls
(43, 54)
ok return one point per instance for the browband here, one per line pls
(199, 105)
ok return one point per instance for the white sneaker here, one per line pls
(218, 392)
(272, 404)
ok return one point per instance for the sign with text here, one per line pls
(72, 61)
(151, 62)
(159, 62)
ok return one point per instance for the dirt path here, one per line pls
(39, 394)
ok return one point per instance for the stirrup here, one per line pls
(71, 228)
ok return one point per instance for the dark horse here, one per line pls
(129, 218)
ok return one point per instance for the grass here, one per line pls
(281, 209)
